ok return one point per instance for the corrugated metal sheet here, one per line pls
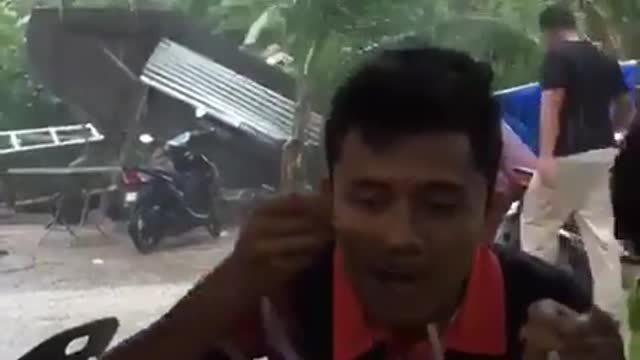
(229, 96)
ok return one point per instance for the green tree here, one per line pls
(23, 104)
(615, 24)
(325, 38)
(339, 32)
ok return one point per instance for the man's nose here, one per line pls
(400, 231)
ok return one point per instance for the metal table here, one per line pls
(66, 191)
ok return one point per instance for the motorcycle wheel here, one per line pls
(214, 227)
(144, 243)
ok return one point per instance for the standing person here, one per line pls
(580, 88)
(625, 193)
(625, 197)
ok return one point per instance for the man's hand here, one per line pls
(280, 240)
(547, 169)
(553, 327)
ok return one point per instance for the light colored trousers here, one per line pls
(581, 188)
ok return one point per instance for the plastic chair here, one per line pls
(99, 334)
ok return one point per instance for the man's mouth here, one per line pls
(395, 277)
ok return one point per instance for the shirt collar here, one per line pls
(479, 326)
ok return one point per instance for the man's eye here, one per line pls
(368, 203)
(440, 207)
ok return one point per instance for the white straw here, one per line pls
(436, 344)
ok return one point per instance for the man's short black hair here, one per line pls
(557, 17)
(401, 92)
(625, 188)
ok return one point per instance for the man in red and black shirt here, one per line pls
(388, 262)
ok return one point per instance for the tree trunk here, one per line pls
(133, 112)
(293, 177)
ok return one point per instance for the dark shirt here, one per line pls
(591, 81)
(309, 310)
(625, 196)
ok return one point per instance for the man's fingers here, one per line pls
(294, 245)
(290, 217)
(531, 354)
(320, 207)
(282, 226)
(602, 322)
(548, 325)
(294, 205)
(287, 265)
(541, 339)
(553, 315)
(274, 231)
(591, 344)
(554, 327)
(539, 342)
(287, 227)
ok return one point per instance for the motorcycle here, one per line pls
(572, 255)
(165, 203)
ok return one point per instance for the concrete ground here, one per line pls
(52, 283)
(56, 282)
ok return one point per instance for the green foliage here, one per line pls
(22, 103)
(340, 32)
(514, 55)
(327, 37)
(618, 20)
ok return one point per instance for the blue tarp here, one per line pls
(521, 106)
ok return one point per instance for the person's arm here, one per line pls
(624, 111)
(623, 108)
(515, 154)
(552, 101)
(280, 241)
(200, 323)
(554, 84)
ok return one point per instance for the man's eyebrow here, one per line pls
(368, 184)
(442, 186)
(428, 185)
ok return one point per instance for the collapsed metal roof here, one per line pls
(223, 93)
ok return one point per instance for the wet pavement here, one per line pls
(52, 283)
(48, 284)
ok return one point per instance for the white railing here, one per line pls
(13, 141)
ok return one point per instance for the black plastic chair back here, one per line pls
(99, 334)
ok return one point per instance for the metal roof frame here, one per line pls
(226, 95)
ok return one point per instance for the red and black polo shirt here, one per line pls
(479, 326)
(321, 318)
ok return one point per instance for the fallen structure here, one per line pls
(15, 141)
(116, 66)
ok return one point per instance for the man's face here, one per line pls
(408, 219)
